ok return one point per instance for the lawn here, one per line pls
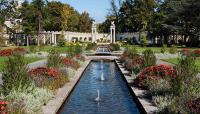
(154, 49)
(45, 48)
(175, 61)
(27, 59)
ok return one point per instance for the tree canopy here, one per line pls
(158, 17)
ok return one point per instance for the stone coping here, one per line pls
(54, 105)
(146, 104)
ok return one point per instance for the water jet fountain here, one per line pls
(98, 96)
(102, 77)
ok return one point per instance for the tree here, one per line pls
(85, 22)
(54, 20)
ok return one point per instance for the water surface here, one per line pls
(114, 93)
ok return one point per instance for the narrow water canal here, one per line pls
(114, 96)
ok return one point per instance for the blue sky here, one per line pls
(96, 8)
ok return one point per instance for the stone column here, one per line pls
(52, 38)
(111, 35)
(114, 35)
(55, 39)
(27, 40)
(112, 32)
(44, 39)
(94, 32)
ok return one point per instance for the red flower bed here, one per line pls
(19, 50)
(43, 71)
(194, 105)
(3, 107)
(71, 63)
(197, 52)
(6, 52)
(10, 52)
(80, 57)
(186, 51)
(154, 72)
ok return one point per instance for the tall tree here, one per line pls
(85, 22)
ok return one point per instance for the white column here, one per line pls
(52, 39)
(110, 35)
(95, 40)
(55, 39)
(27, 41)
(44, 39)
(114, 35)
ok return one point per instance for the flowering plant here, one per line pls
(3, 107)
(6, 52)
(155, 72)
(71, 63)
(43, 71)
(196, 53)
(10, 52)
(80, 57)
(194, 105)
(185, 51)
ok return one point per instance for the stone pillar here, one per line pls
(94, 32)
(44, 39)
(112, 32)
(114, 35)
(52, 38)
(27, 40)
(55, 39)
(111, 35)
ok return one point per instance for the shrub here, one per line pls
(173, 49)
(158, 86)
(80, 57)
(48, 77)
(186, 72)
(19, 50)
(134, 64)
(33, 49)
(74, 50)
(162, 101)
(71, 63)
(114, 47)
(15, 73)
(185, 86)
(77, 49)
(185, 52)
(61, 40)
(30, 99)
(149, 58)
(130, 52)
(10, 52)
(154, 73)
(71, 72)
(4, 107)
(164, 48)
(196, 53)
(91, 46)
(54, 59)
(143, 40)
(194, 105)
(6, 52)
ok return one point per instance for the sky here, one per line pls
(97, 9)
